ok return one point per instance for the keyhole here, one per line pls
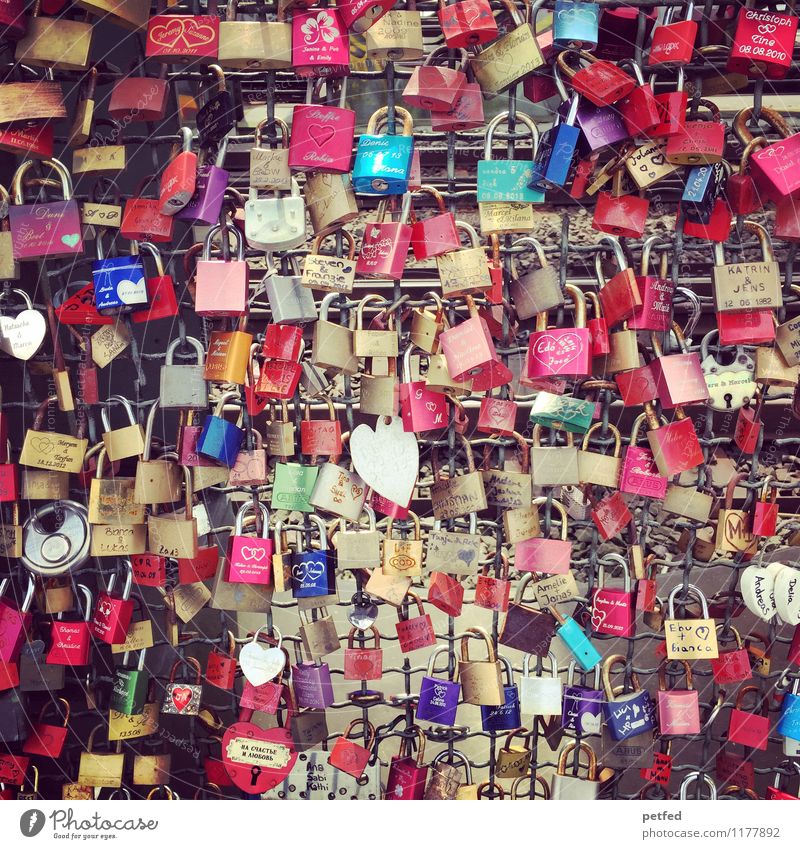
(254, 773)
(728, 400)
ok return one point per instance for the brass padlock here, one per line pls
(62, 46)
(330, 199)
(600, 469)
(157, 481)
(745, 286)
(173, 534)
(112, 500)
(126, 441)
(481, 680)
(403, 557)
(426, 325)
(396, 37)
(514, 761)
(458, 495)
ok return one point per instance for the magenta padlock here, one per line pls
(540, 554)
(613, 609)
(322, 134)
(732, 667)
(312, 684)
(497, 415)
(359, 15)
(640, 475)
(385, 245)
(14, 622)
(436, 235)
(421, 408)
(678, 710)
(468, 347)
(209, 189)
(561, 351)
(250, 557)
(656, 293)
(320, 43)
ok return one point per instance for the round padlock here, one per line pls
(53, 552)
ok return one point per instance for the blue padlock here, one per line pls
(314, 571)
(119, 283)
(789, 722)
(508, 180)
(220, 439)
(553, 161)
(576, 640)
(507, 716)
(627, 714)
(703, 186)
(575, 25)
(383, 162)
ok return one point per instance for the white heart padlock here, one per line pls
(758, 589)
(22, 335)
(387, 458)
(261, 663)
(787, 595)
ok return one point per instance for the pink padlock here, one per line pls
(14, 622)
(640, 475)
(359, 15)
(222, 287)
(678, 710)
(436, 87)
(322, 134)
(497, 415)
(320, 43)
(551, 556)
(250, 558)
(679, 377)
(283, 342)
(468, 347)
(421, 408)
(561, 351)
(385, 245)
(656, 293)
(613, 609)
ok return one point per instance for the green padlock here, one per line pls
(292, 487)
(129, 692)
(561, 411)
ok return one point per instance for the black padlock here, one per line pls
(217, 117)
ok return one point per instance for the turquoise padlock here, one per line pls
(576, 641)
(383, 162)
(507, 180)
(575, 25)
(571, 414)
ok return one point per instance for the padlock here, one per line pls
(249, 559)
(358, 549)
(14, 623)
(414, 632)
(322, 134)
(438, 697)
(221, 664)
(142, 218)
(698, 142)
(437, 235)
(136, 97)
(205, 205)
(457, 495)
(65, 47)
(639, 474)
(349, 756)
(321, 437)
(332, 346)
(221, 440)
(161, 295)
(383, 162)
(122, 442)
(339, 491)
(183, 386)
(112, 613)
(47, 740)
(466, 23)
(744, 286)
(320, 43)
(678, 378)
(541, 695)
(575, 25)
(178, 180)
(385, 244)
(492, 592)
(561, 352)
(690, 639)
(582, 705)
(678, 710)
(508, 487)
(38, 448)
(14, 21)
(313, 572)
(497, 415)
(730, 386)
(512, 180)
(575, 639)
(505, 716)
(573, 786)
(551, 556)
(789, 721)
(330, 274)
(217, 116)
(445, 782)
(276, 223)
(113, 500)
(538, 289)
(673, 41)
(732, 666)
(182, 39)
(655, 293)
(765, 511)
(674, 445)
(470, 353)
(600, 469)
(397, 36)
(180, 698)
(601, 82)
(311, 682)
(269, 166)
(554, 157)
(119, 283)
(130, 686)
(633, 712)
(222, 287)
(435, 86)
(762, 44)
(775, 791)
(402, 556)
(293, 486)
(613, 609)
(331, 201)
(42, 230)
(175, 534)
(505, 61)
(421, 409)
(513, 761)
(254, 45)
(748, 728)
(407, 774)
(466, 113)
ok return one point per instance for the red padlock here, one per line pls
(162, 300)
(619, 296)
(466, 113)
(283, 342)
(362, 663)
(602, 83)
(446, 593)
(359, 15)
(469, 350)
(612, 608)
(179, 178)
(765, 511)
(620, 214)
(142, 219)
(407, 774)
(14, 622)
(421, 409)
(70, 642)
(672, 43)
(756, 327)
(385, 245)
(542, 554)
(321, 437)
(322, 134)
(47, 740)
(221, 665)
(320, 43)
(762, 44)
(467, 23)
(202, 567)
(349, 756)
(640, 110)
(731, 667)
(491, 592)
(718, 228)
(436, 235)
(278, 379)
(748, 428)
(672, 110)
(436, 87)
(743, 196)
(182, 39)
(679, 377)
(655, 293)
(639, 474)
(497, 415)
(414, 632)
(749, 729)
(561, 352)
(112, 613)
(698, 142)
(598, 328)
(675, 446)
(610, 515)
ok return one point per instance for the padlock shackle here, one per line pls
(615, 432)
(662, 673)
(383, 112)
(432, 659)
(17, 191)
(537, 246)
(368, 727)
(691, 778)
(771, 116)
(559, 508)
(191, 662)
(51, 704)
(691, 589)
(480, 634)
(351, 249)
(585, 748)
(764, 239)
(413, 517)
(105, 412)
(454, 758)
(505, 116)
(375, 633)
(540, 780)
(526, 664)
(217, 229)
(252, 507)
(620, 560)
(262, 126)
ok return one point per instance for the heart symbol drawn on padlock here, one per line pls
(256, 554)
(430, 406)
(196, 34)
(557, 352)
(71, 239)
(42, 444)
(356, 491)
(181, 696)
(702, 631)
(766, 29)
(320, 134)
(261, 663)
(168, 34)
(308, 571)
(22, 336)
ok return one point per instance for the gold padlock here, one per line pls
(63, 45)
(126, 441)
(481, 681)
(403, 557)
(513, 761)
(173, 534)
(112, 500)
(396, 37)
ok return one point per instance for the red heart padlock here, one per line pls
(257, 759)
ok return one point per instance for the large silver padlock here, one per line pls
(314, 380)
(339, 491)
(289, 300)
(53, 552)
(730, 386)
(183, 387)
(277, 223)
(538, 289)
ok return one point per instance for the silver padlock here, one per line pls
(538, 289)
(358, 548)
(339, 491)
(289, 300)
(730, 386)
(183, 387)
(55, 552)
(277, 223)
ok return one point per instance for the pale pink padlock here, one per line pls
(551, 556)
(322, 134)
(468, 347)
(678, 710)
(222, 288)
(250, 558)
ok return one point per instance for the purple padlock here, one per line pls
(312, 685)
(601, 126)
(438, 697)
(582, 707)
(212, 180)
